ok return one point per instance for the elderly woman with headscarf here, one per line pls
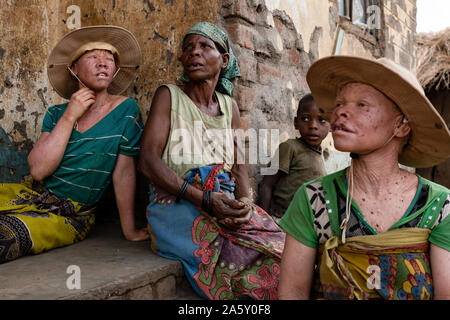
(85, 143)
(200, 212)
(373, 230)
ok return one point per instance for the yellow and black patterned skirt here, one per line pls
(34, 220)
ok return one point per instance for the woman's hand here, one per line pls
(230, 212)
(246, 201)
(79, 103)
(137, 235)
(245, 219)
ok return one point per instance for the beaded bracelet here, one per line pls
(207, 201)
(210, 201)
(182, 191)
(204, 200)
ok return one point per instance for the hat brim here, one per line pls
(429, 142)
(123, 40)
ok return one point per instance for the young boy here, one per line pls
(300, 159)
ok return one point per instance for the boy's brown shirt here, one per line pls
(300, 163)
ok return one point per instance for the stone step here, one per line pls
(109, 267)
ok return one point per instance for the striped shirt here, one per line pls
(85, 170)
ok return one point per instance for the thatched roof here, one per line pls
(433, 59)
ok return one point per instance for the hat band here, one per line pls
(95, 45)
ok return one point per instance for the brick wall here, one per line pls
(273, 65)
(399, 31)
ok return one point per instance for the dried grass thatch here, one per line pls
(433, 59)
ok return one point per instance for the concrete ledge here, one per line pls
(110, 268)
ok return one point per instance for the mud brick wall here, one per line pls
(273, 62)
(399, 33)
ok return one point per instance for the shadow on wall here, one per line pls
(13, 164)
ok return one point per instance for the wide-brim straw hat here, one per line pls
(62, 55)
(429, 141)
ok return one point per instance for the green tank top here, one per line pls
(195, 138)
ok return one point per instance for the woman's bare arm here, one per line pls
(297, 270)
(239, 170)
(124, 182)
(440, 266)
(154, 139)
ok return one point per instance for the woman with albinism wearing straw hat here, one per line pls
(85, 144)
(372, 230)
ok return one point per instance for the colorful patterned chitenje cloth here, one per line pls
(401, 254)
(219, 263)
(231, 71)
(393, 265)
(33, 220)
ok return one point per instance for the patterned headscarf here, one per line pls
(231, 71)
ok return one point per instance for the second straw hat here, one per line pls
(429, 143)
